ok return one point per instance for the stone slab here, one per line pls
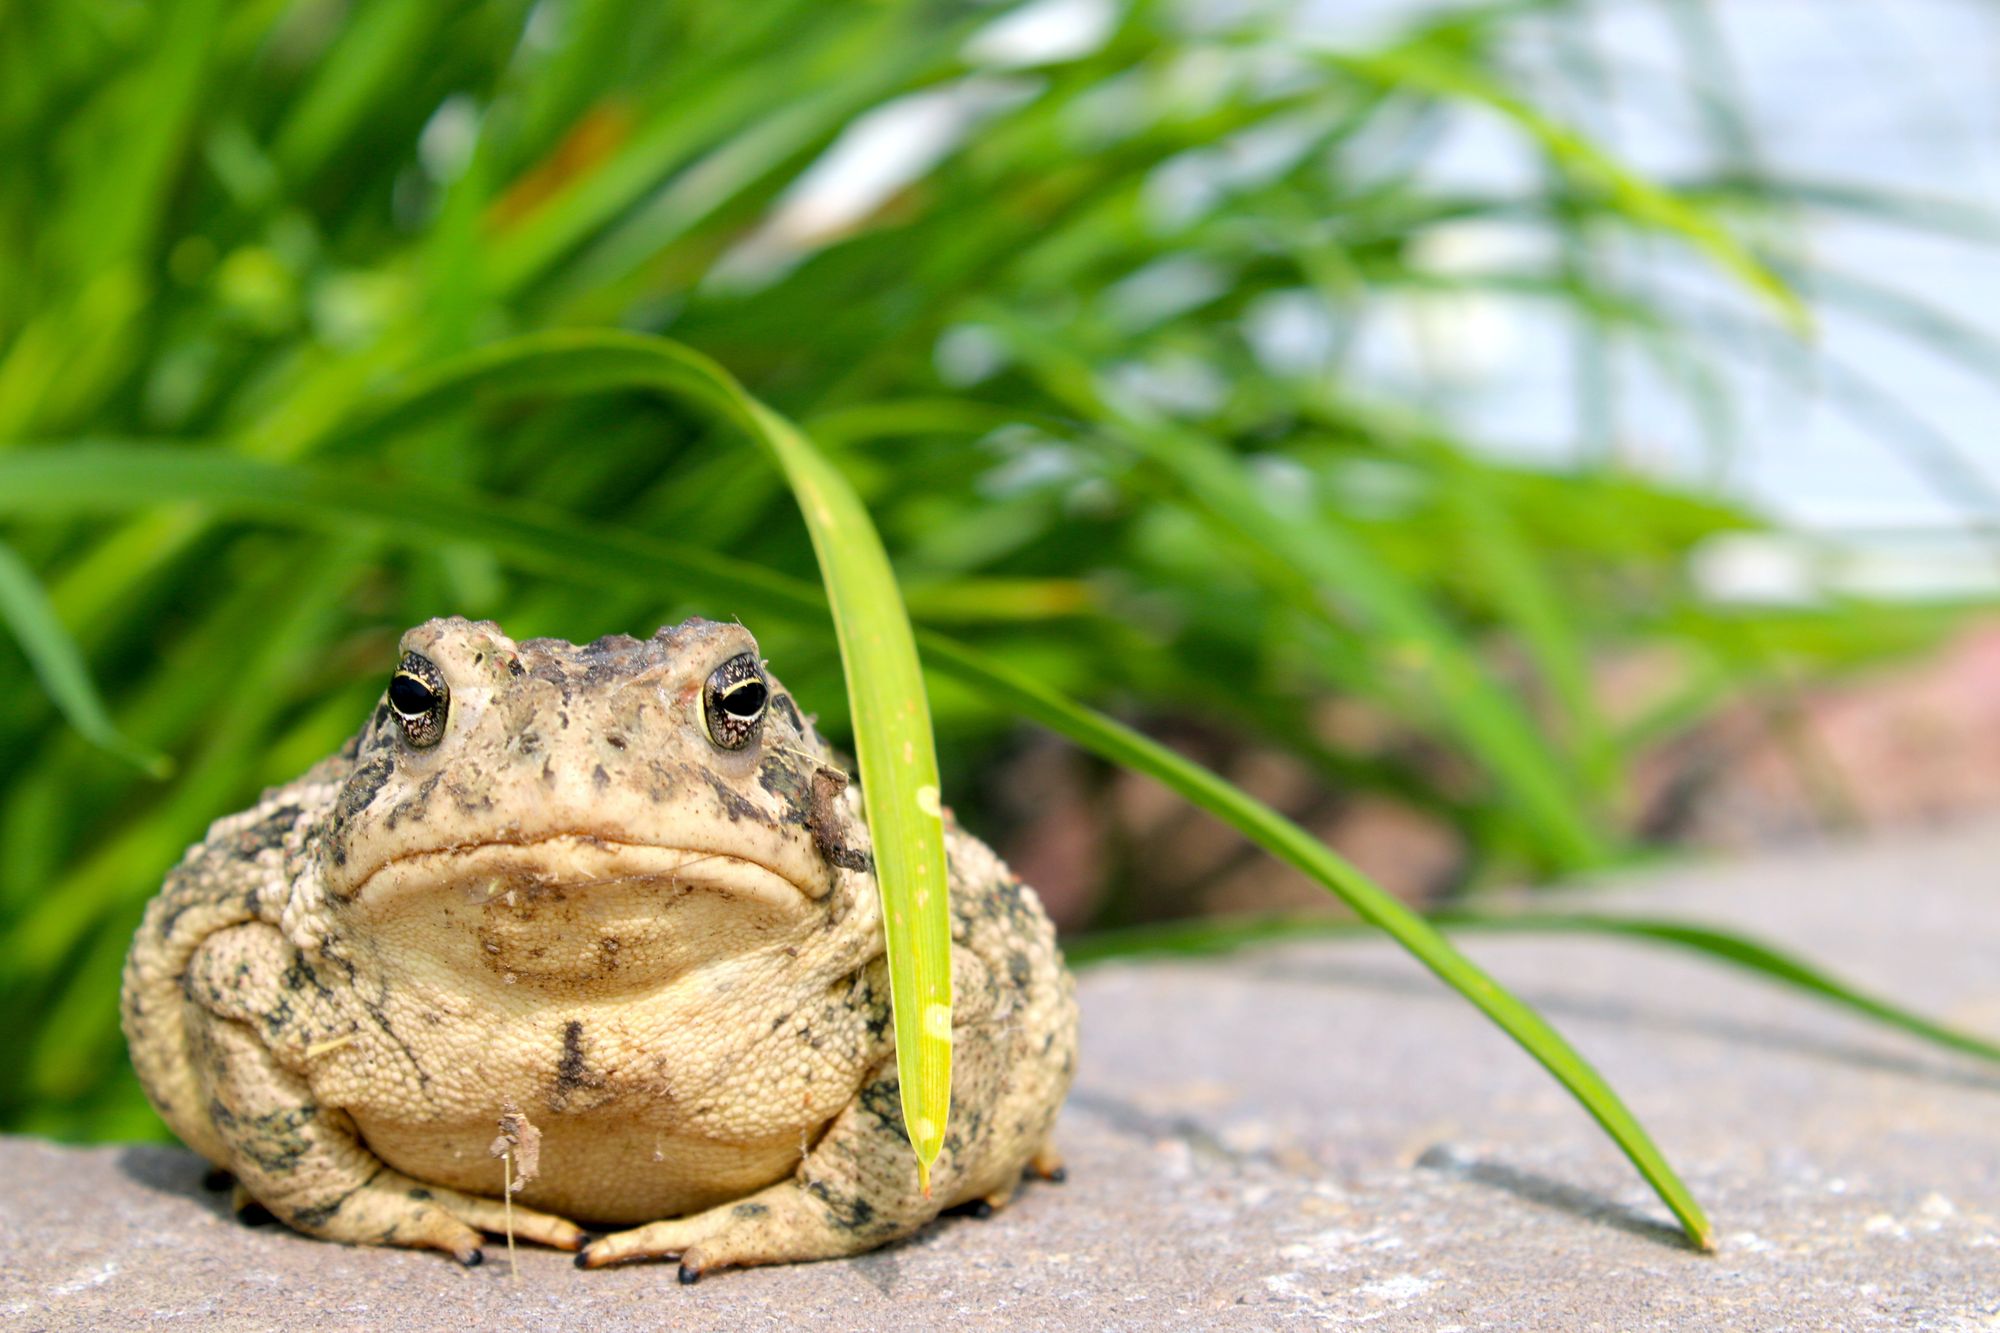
(1313, 1135)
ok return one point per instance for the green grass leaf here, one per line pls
(60, 666)
(1414, 66)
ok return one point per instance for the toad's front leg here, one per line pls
(304, 1161)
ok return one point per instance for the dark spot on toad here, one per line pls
(319, 1213)
(270, 831)
(785, 708)
(849, 1212)
(417, 805)
(883, 1099)
(616, 742)
(788, 784)
(599, 778)
(570, 1071)
(733, 802)
(363, 786)
(300, 974)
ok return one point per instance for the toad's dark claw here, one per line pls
(689, 1276)
(473, 1259)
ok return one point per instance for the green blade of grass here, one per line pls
(73, 479)
(1373, 904)
(899, 774)
(57, 663)
(1207, 937)
(1413, 66)
(109, 477)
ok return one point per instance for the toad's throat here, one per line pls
(572, 915)
(525, 871)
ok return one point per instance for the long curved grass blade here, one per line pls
(1373, 904)
(112, 477)
(899, 775)
(25, 609)
(70, 479)
(1413, 66)
(1208, 937)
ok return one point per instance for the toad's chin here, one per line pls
(576, 910)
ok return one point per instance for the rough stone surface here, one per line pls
(1312, 1135)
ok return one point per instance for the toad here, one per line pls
(624, 892)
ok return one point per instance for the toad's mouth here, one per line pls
(557, 865)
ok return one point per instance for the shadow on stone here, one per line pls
(172, 1171)
(882, 1270)
(1136, 1122)
(1553, 1194)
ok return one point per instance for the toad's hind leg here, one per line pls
(305, 1163)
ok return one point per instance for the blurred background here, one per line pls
(1515, 440)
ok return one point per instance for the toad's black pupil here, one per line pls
(410, 696)
(746, 700)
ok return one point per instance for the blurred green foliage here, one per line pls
(235, 227)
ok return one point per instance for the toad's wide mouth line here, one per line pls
(578, 861)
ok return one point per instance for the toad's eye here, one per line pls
(732, 702)
(419, 697)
